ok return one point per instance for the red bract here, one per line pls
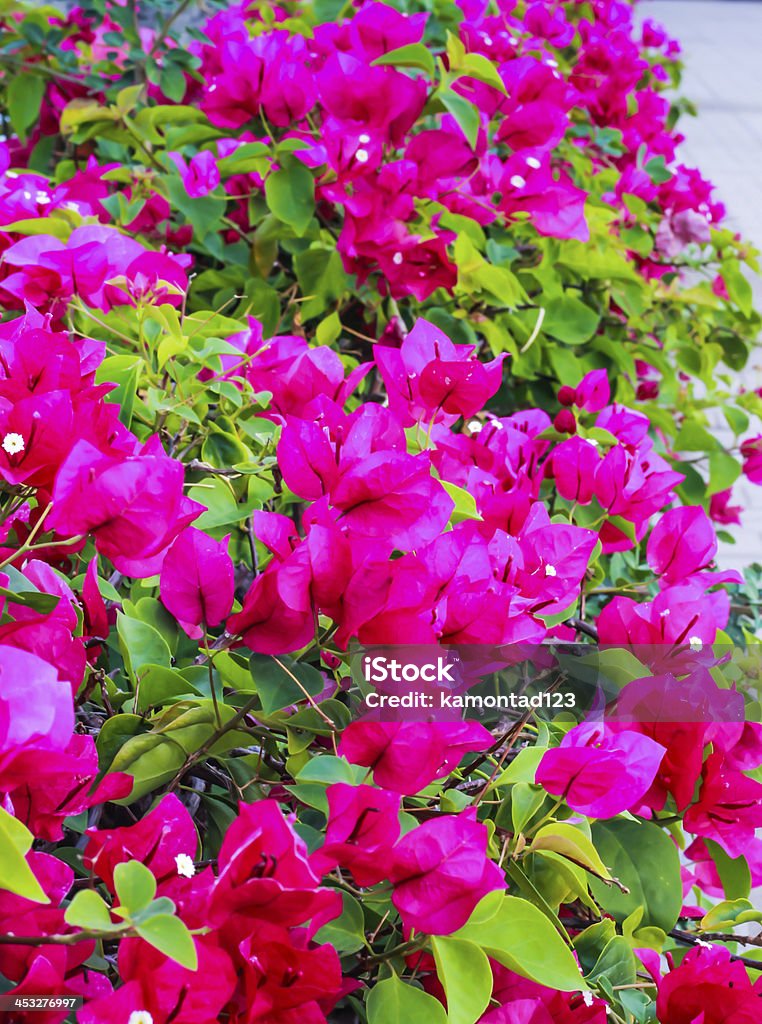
(156, 988)
(729, 807)
(287, 979)
(708, 987)
(265, 873)
(165, 834)
(440, 871)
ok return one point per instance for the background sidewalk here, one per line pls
(722, 45)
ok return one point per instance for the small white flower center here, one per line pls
(397, 259)
(13, 443)
(362, 156)
(185, 866)
(696, 643)
(533, 162)
(517, 181)
(364, 139)
(550, 570)
(140, 1017)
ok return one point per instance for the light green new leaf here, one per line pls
(15, 874)
(89, 911)
(394, 1002)
(521, 937)
(414, 55)
(464, 970)
(169, 935)
(135, 885)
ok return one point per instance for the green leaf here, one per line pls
(89, 911)
(321, 278)
(572, 843)
(734, 872)
(724, 470)
(283, 682)
(738, 287)
(465, 974)
(728, 914)
(692, 437)
(526, 800)
(140, 645)
(15, 874)
(346, 932)
(290, 194)
(151, 759)
(169, 935)
(464, 503)
(124, 371)
(135, 885)
(646, 861)
(464, 112)
(523, 768)
(414, 55)
(476, 65)
(202, 212)
(521, 937)
(568, 319)
(394, 1002)
(31, 598)
(24, 98)
(616, 963)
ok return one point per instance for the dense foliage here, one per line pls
(392, 323)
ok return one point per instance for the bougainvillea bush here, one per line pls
(326, 324)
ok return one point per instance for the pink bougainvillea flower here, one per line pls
(430, 378)
(132, 504)
(681, 543)
(751, 449)
(722, 512)
(593, 391)
(440, 871)
(407, 756)
(363, 826)
(200, 175)
(575, 462)
(680, 616)
(197, 581)
(590, 755)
